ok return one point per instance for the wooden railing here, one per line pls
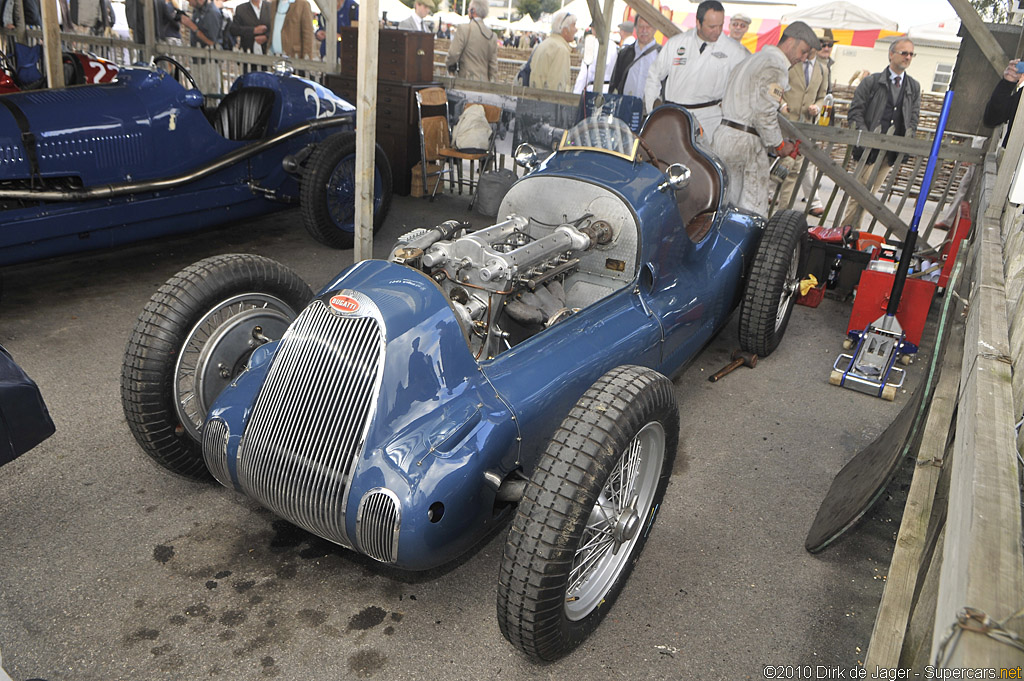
(954, 597)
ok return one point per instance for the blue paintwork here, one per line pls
(144, 126)
(443, 419)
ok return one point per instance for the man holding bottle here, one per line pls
(803, 102)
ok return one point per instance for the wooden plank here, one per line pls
(366, 131)
(988, 45)
(855, 189)
(982, 565)
(655, 18)
(597, 22)
(918, 639)
(911, 146)
(909, 553)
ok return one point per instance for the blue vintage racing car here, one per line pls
(414, 403)
(99, 165)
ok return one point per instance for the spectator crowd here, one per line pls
(733, 94)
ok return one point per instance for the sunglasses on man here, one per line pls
(905, 53)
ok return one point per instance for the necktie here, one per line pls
(702, 46)
(899, 79)
(807, 73)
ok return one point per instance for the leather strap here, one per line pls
(715, 102)
(739, 126)
(28, 140)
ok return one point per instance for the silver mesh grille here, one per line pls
(215, 450)
(309, 421)
(377, 524)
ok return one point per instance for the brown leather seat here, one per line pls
(668, 132)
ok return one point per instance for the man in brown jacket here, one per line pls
(291, 29)
(474, 50)
(808, 85)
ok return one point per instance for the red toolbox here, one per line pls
(873, 299)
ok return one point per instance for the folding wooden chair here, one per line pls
(435, 135)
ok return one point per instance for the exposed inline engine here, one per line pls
(504, 283)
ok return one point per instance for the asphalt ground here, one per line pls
(112, 568)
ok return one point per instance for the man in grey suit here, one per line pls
(890, 99)
(416, 21)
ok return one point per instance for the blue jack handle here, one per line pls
(926, 185)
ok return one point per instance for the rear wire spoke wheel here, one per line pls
(773, 283)
(328, 192)
(194, 337)
(587, 512)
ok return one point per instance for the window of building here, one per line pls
(943, 74)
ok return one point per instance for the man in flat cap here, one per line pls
(749, 116)
(695, 66)
(738, 25)
(626, 29)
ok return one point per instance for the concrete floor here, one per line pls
(112, 568)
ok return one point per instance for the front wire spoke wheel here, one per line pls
(587, 512)
(600, 563)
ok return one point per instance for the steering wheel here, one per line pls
(179, 70)
(650, 153)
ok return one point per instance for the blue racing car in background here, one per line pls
(98, 165)
(415, 403)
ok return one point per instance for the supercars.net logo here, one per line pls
(344, 304)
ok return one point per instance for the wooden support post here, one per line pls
(366, 128)
(147, 11)
(603, 41)
(988, 45)
(51, 45)
(329, 10)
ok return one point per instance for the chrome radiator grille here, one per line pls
(215, 450)
(377, 524)
(309, 421)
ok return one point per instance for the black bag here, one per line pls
(227, 38)
(524, 73)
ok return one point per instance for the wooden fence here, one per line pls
(954, 597)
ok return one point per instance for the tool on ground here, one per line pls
(871, 368)
(738, 358)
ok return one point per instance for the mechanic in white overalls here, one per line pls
(695, 66)
(750, 125)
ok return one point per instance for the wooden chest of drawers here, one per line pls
(404, 56)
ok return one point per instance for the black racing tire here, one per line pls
(773, 283)
(328, 191)
(580, 529)
(194, 336)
